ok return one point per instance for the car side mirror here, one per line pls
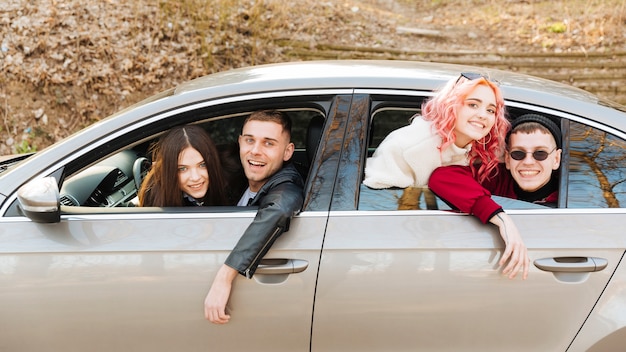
(39, 200)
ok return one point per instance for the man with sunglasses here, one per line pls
(532, 157)
(528, 173)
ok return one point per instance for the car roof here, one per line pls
(392, 74)
(372, 74)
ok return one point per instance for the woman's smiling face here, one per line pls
(193, 176)
(476, 117)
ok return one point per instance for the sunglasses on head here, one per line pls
(539, 155)
(474, 75)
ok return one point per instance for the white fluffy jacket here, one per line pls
(408, 155)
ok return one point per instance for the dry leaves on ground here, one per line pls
(67, 64)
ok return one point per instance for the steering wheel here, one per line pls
(141, 166)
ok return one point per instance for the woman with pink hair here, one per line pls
(463, 124)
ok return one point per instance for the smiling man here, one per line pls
(264, 146)
(275, 186)
(533, 154)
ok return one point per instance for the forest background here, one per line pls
(67, 64)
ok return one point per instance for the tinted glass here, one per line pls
(597, 169)
(386, 120)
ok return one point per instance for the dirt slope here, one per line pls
(67, 64)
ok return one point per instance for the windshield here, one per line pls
(8, 161)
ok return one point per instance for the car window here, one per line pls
(597, 169)
(384, 121)
(115, 180)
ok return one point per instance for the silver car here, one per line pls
(82, 270)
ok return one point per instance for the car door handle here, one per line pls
(571, 264)
(277, 266)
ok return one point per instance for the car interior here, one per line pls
(114, 181)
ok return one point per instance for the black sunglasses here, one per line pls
(539, 155)
(474, 75)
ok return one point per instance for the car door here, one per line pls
(107, 279)
(428, 279)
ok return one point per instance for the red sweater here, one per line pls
(457, 187)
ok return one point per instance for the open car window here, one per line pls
(384, 121)
(593, 175)
(113, 182)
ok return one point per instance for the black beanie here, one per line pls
(542, 120)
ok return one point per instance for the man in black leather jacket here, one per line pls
(276, 187)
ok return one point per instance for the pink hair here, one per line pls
(441, 110)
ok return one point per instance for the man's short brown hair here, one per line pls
(276, 116)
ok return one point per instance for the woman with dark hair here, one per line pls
(186, 171)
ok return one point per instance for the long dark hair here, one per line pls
(160, 187)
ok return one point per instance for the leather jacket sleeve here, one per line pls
(278, 201)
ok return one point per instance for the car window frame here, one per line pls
(344, 201)
(321, 99)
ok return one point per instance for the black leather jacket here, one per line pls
(279, 199)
